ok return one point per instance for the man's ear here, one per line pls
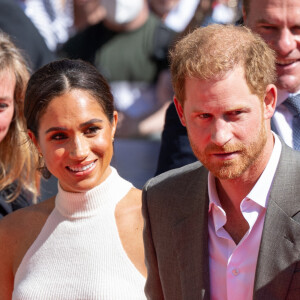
(179, 109)
(270, 101)
(34, 140)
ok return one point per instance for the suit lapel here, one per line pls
(280, 244)
(191, 240)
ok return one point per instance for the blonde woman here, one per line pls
(17, 175)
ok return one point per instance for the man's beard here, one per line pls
(232, 168)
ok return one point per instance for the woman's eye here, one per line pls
(92, 130)
(58, 136)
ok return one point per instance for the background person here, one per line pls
(277, 22)
(224, 230)
(86, 242)
(18, 186)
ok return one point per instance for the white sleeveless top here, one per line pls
(78, 253)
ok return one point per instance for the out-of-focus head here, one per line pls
(211, 52)
(278, 23)
(121, 12)
(16, 158)
(162, 7)
(14, 75)
(58, 78)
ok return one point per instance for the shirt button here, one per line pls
(235, 272)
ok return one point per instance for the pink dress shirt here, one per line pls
(232, 267)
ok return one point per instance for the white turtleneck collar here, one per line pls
(86, 204)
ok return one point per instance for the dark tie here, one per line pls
(293, 105)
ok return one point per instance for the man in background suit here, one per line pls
(278, 23)
(229, 229)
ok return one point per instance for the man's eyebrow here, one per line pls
(263, 20)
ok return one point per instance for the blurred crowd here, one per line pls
(128, 42)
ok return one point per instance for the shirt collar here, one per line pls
(261, 189)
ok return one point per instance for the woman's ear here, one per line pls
(34, 140)
(114, 123)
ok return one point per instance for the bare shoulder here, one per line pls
(19, 229)
(132, 202)
(26, 218)
(128, 210)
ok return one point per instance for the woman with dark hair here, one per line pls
(85, 243)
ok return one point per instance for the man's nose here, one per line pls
(286, 42)
(221, 132)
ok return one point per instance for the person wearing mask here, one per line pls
(86, 242)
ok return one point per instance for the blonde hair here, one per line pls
(16, 157)
(210, 52)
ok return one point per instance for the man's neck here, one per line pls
(236, 225)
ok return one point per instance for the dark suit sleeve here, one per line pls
(153, 288)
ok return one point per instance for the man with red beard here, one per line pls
(278, 23)
(229, 229)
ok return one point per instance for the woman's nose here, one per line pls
(79, 148)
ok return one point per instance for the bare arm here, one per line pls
(7, 246)
(18, 231)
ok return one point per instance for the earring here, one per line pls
(45, 172)
(40, 155)
(113, 139)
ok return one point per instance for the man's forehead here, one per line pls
(255, 6)
(274, 12)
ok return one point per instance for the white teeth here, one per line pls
(82, 168)
(285, 62)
